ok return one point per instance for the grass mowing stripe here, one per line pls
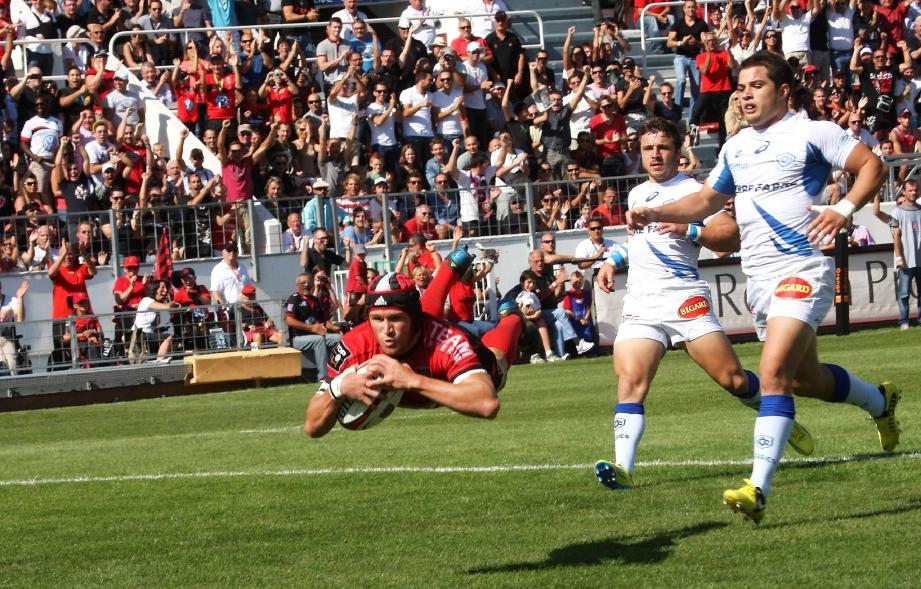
(505, 468)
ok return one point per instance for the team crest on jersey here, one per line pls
(793, 288)
(338, 356)
(785, 160)
(694, 307)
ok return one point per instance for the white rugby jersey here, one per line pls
(776, 175)
(661, 263)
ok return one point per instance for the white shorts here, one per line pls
(806, 293)
(669, 319)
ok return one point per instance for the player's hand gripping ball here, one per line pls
(355, 415)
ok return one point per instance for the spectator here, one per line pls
(417, 113)
(552, 215)
(418, 18)
(85, 327)
(162, 46)
(319, 253)
(794, 27)
(128, 290)
(39, 141)
(476, 80)
(666, 106)
(331, 214)
(344, 100)
(422, 222)
(295, 237)
(228, 277)
(419, 252)
(448, 111)
(12, 311)
(222, 91)
(530, 304)
(631, 93)
(476, 199)
(905, 223)
(714, 65)
(610, 211)
(381, 118)
(609, 133)
(308, 331)
(356, 286)
(332, 53)
(122, 102)
(153, 328)
(577, 304)
(39, 23)
(464, 294)
(484, 25)
(280, 91)
(446, 209)
(877, 82)
(237, 171)
(655, 23)
(593, 248)
(684, 37)
(554, 125)
(327, 299)
(41, 250)
(840, 17)
(68, 279)
(257, 327)
(196, 318)
(466, 37)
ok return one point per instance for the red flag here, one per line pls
(163, 265)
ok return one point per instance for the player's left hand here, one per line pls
(391, 373)
(828, 223)
(640, 217)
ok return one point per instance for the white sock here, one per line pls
(866, 396)
(771, 433)
(628, 431)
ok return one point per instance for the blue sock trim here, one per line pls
(777, 406)
(635, 408)
(754, 386)
(842, 383)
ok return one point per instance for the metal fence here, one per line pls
(126, 338)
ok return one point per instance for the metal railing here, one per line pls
(895, 178)
(95, 340)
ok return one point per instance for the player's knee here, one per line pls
(775, 379)
(734, 382)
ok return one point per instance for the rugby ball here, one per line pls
(355, 415)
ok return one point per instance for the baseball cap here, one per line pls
(187, 272)
(866, 51)
(80, 298)
(810, 68)
(244, 128)
(500, 15)
(249, 290)
(449, 51)
(216, 57)
(101, 53)
(404, 23)
(474, 46)
(319, 184)
(904, 112)
(108, 167)
(131, 262)
(75, 31)
(438, 42)
(230, 247)
(381, 180)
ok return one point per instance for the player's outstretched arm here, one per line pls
(324, 406)
(689, 209)
(721, 234)
(474, 396)
(870, 174)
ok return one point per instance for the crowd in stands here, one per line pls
(349, 132)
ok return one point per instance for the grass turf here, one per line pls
(274, 508)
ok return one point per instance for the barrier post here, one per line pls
(532, 224)
(842, 285)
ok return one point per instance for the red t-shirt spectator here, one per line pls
(611, 217)
(137, 293)
(105, 86)
(412, 227)
(138, 155)
(890, 22)
(461, 298)
(184, 298)
(358, 276)
(424, 260)
(281, 103)
(187, 104)
(220, 97)
(238, 178)
(605, 129)
(716, 78)
(67, 283)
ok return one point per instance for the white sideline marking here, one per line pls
(422, 470)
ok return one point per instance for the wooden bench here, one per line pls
(253, 365)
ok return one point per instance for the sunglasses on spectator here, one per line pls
(595, 228)
(572, 170)
(318, 101)
(548, 241)
(464, 27)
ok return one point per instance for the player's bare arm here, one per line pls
(687, 210)
(870, 174)
(475, 395)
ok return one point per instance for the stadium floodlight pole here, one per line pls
(842, 285)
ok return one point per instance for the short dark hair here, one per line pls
(664, 126)
(778, 70)
(478, 160)
(527, 274)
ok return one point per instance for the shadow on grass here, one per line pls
(911, 504)
(651, 551)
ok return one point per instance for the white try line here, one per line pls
(506, 468)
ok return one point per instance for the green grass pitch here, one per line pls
(223, 490)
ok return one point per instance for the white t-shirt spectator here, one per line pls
(294, 243)
(589, 249)
(450, 125)
(481, 26)
(426, 32)
(476, 75)
(419, 124)
(229, 282)
(43, 135)
(472, 186)
(340, 115)
(98, 154)
(795, 32)
(152, 321)
(385, 134)
(840, 29)
(581, 117)
(120, 103)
